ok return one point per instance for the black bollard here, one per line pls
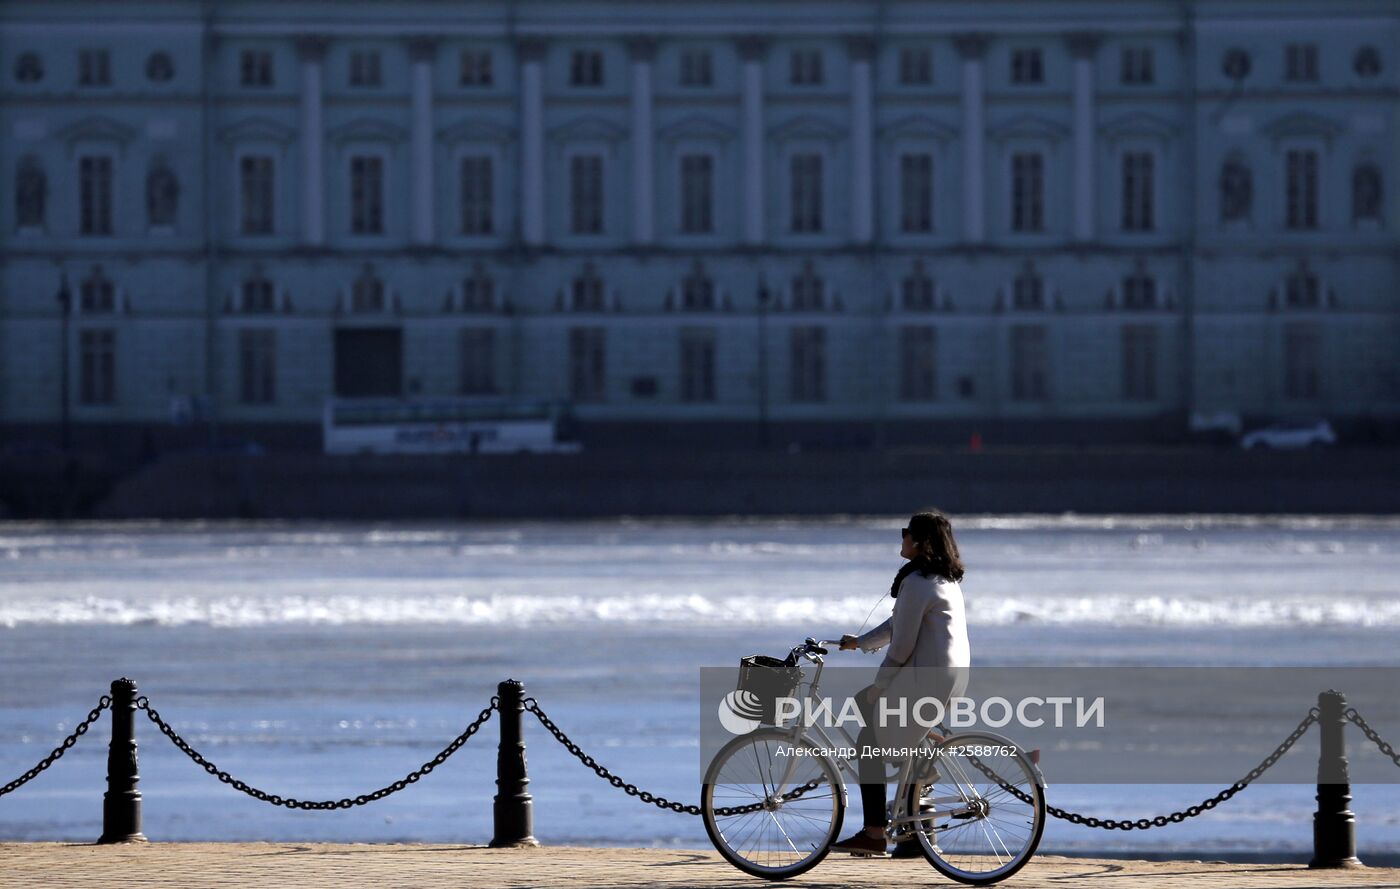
(514, 807)
(1334, 825)
(121, 804)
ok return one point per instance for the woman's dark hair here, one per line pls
(936, 550)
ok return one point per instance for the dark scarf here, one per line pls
(921, 565)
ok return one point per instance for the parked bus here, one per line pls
(447, 426)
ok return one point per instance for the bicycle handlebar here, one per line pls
(811, 646)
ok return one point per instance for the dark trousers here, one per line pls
(870, 768)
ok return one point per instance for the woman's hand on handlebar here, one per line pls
(849, 643)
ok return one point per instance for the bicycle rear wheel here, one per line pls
(760, 829)
(985, 805)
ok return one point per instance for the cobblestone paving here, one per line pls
(420, 866)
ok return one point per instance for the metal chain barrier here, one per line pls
(631, 789)
(1073, 817)
(1384, 746)
(143, 703)
(1190, 811)
(102, 704)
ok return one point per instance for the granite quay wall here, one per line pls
(723, 482)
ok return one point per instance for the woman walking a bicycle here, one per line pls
(927, 655)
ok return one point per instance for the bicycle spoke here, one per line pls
(989, 813)
(783, 832)
(790, 807)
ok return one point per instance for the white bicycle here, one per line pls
(773, 799)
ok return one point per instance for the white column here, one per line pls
(862, 141)
(643, 51)
(422, 51)
(1082, 47)
(312, 51)
(532, 142)
(752, 50)
(972, 47)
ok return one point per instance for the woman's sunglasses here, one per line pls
(903, 532)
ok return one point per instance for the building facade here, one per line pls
(797, 211)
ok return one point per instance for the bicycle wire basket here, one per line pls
(767, 679)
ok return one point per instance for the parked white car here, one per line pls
(1291, 434)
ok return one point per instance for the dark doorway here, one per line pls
(368, 362)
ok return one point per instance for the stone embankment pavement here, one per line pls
(243, 865)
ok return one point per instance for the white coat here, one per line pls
(928, 652)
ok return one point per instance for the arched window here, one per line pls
(367, 295)
(1301, 290)
(697, 290)
(1236, 190)
(478, 291)
(917, 290)
(97, 294)
(587, 292)
(808, 290)
(1140, 289)
(162, 195)
(31, 192)
(1366, 192)
(1028, 291)
(258, 295)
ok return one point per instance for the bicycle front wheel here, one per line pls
(983, 803)
(772, 806)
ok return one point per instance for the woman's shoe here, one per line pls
(861, 844)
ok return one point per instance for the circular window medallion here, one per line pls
(160, 68)
(29, 68)
(1236, 64)
(1367, 62)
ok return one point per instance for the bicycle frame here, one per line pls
(900, 816)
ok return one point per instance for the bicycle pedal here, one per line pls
(864, 854)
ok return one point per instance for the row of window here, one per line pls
(695, 203)
(806, 292)
(917, 356)
(695, 66)
(1301, 62)
(95, 67)
(95, 193)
